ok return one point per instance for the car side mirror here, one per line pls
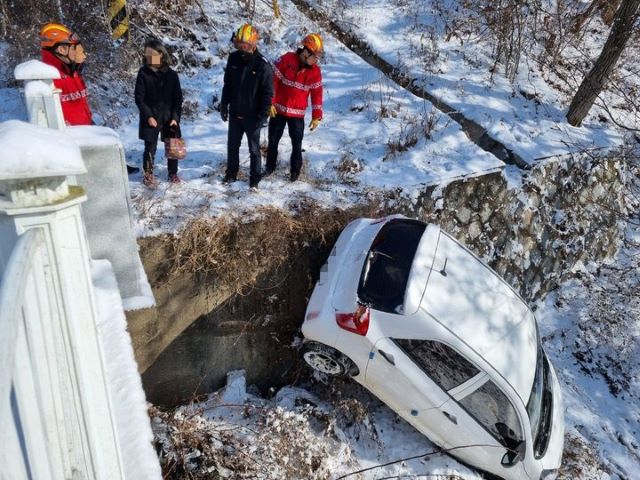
(515, 448)
(514, 454)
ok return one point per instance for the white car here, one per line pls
(440, 338)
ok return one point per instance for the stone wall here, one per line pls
(532, 227)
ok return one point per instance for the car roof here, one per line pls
(470, 300)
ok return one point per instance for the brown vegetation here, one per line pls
(236, 251)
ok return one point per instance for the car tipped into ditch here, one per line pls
(440, 338)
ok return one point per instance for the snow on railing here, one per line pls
(56, 417)
(42, 98)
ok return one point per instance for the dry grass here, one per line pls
(235, 252)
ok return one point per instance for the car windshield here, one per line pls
(386, 270)
(539, 406)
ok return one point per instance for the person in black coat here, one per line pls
(159, 98)
(246, 98)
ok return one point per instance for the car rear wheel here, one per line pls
(328, 360)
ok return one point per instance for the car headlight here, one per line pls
(548, 474)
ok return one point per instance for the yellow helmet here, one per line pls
(54, 33)
(246, 34)
(313, 42)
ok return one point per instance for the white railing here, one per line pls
(41, 418)
(56, 414)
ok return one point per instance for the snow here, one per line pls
(298, 434)
(236, 390)
(93, 136)
(125, 385)
(533, 128)
(147, 299)
(33, 151)
(35, 70)
(38, 88)
(346, 158)
(349, 157)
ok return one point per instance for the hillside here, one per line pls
(510, 67)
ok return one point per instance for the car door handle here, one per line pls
(451, 417)
(388, 357)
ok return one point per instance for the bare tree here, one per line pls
(594, 81)
(607, 10)
(276, 8)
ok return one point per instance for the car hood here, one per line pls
(475, 304)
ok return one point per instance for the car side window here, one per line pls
(442, 363)
(493, 410)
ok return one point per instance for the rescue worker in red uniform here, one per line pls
(297, 77)
(59, 47)
(62, 49)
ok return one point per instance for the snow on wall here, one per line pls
(30, 151)
(125, 385)
(513, 220)
(35, 70)
(93, 136)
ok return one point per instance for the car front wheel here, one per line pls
(328, 360)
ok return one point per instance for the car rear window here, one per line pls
(386, 270)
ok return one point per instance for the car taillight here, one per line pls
(357, 322)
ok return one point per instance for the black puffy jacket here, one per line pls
(248, 86)
(158, 95)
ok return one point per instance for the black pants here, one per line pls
(150, 147)
(296, 132)
(237, 128)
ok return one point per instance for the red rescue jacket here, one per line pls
(73, 95)
(293, 84)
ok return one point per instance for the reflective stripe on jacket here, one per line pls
(293, 84)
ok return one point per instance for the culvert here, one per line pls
(209, 321)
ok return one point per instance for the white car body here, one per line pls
(456, 355)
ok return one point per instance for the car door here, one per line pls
(423, 380)
(402, 383)
(392, 377)
(488, 428)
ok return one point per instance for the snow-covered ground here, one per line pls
(590, 323)
(455, 69)
(374, 135)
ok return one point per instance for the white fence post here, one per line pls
(42, 98)
(56, 405)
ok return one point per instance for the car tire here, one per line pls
(328, 360)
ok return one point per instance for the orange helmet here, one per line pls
(246, 34)
(313, 42)
(54, 33)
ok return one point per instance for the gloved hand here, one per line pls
(224, 112)
(272, 111)
(314, 123)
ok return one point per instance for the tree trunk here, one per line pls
(594, 81)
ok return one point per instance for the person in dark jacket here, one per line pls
(159, 98)
(246, 99)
